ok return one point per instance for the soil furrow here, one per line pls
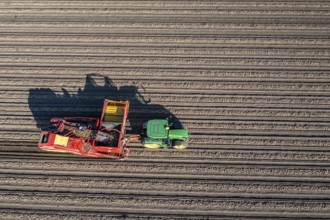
(162, 202)
(165, 176)
(174, 185)
(139, 168)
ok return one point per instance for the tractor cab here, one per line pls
(159, 133)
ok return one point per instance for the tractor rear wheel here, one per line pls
(152, 146)
(180, 145)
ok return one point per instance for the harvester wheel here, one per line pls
(180, 145)
(152, 146)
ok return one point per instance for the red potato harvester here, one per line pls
(92, 137)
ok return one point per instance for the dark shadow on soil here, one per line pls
(87, 102)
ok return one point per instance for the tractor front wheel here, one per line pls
(180, 145)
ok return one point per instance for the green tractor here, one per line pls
(159, 133)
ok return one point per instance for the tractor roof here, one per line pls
(157, 129)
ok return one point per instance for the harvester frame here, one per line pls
(92, 137)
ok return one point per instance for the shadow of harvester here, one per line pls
(87, 102)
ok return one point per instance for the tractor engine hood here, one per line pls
(178, 134)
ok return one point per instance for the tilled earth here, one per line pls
(249, 79)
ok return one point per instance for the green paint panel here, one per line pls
(178, 134)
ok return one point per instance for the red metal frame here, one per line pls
(87, 146)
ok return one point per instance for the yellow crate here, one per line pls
(114, 113)
(110, 110)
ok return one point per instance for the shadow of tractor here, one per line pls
(87, 102)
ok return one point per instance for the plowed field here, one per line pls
(249, 79)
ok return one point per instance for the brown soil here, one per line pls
(250, 80)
